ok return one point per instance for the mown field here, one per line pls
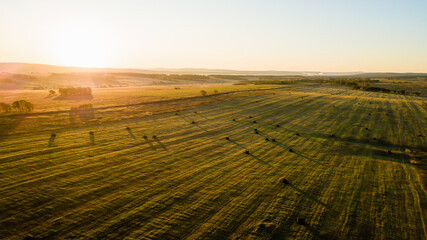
(355, 169)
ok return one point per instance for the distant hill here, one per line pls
(30, 68)
(40, 76)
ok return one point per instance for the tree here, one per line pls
(22, 105)
(52, 93)
(204, 93)
(4, 107)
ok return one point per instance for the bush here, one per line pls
(4, 107)
(22, 105)
(204, 93)
(79, 91)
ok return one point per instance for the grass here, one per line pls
(194, 181)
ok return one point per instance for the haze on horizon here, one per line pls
(340, 36)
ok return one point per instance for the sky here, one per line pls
(287, 35)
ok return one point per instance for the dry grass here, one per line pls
(190, 182)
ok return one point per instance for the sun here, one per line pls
(82, 46)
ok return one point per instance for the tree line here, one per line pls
(78, 91)
(21, 105)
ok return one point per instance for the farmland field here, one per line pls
(354, 162)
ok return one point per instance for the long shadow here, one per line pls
(306, 157)
(8, 124)
(131, 134)
(316, 233)
(161, 144)
(203, 116)
(149, 142)
(264, 135)
(250, 154)
(191, 121)
(308, 195)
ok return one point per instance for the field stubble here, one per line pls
(191, 183)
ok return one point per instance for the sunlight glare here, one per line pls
(83, 47)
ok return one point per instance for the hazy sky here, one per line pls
(318, 35)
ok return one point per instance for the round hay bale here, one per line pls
(374, 138)
(254, 121)
(128, 128)
(53, 135)
(297, 134)
(389, 151)
(234, 120)
(285, 181)
(267, 139)
(301, 221)
(277, 125)
(274, 140)
(246, 152)
(145, 137)
(290, 150)
(250, 116)
(366, 128)
(333, 135)
(227, 138)
(154, 136)
(193, 122)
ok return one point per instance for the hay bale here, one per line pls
(333, 135)
(92, 138)
(176, 113)
(250, 116)
(389, 151)
(285, 181)
(420, 135)
(301, 221)
(267, 139)
(145, 137)
(128, 128)
(297, 134)
(52, 139)
(154, 136)
(277, 125)
(366, 128)
(274, 140)
(246, 152)
(227, 138)
(254, 121)
(193, 122)
(234, 120)
(374, 138)
(195, 112)
(290, 150)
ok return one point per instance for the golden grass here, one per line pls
(192, 183)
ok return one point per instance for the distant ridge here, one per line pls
(26, 68)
